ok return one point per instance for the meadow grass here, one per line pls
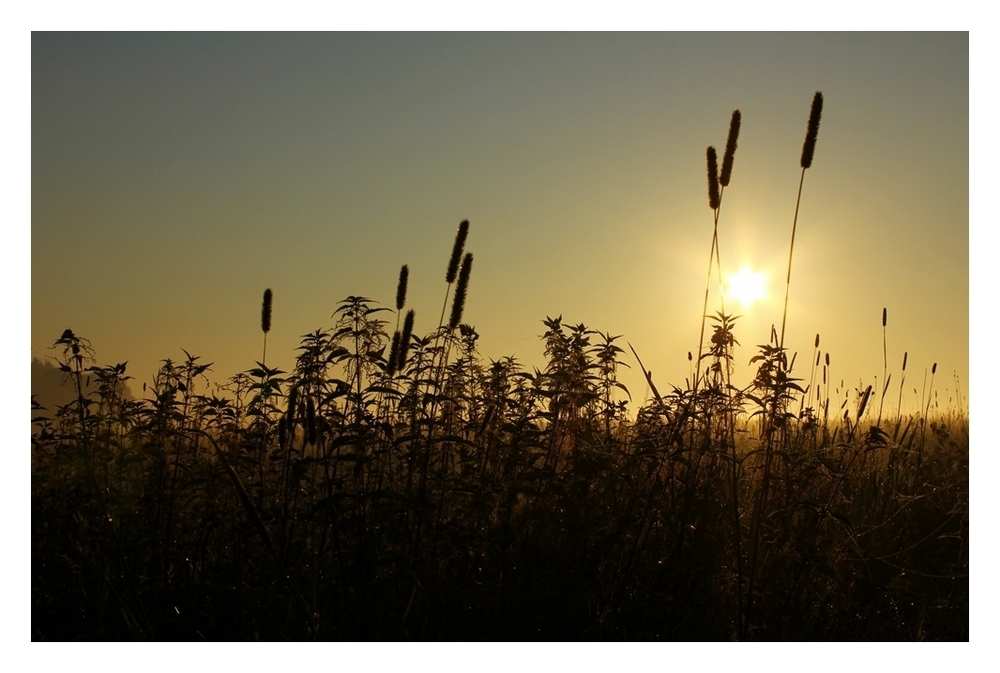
(403, 487)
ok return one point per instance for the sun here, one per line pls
(747, 286)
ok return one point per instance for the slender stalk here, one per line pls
(714, 202)
(717, 183)
(808, 148)
(885, 368)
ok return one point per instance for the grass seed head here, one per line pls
(456, 251)
(713, 178)
(265, 311)
(864, 402)
(727, 158)
(404, 340)
(458, 304)
(809, 146)
(404, 276)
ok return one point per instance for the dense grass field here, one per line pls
(404, 487)
(457, 499)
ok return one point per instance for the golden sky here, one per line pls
(175, 176)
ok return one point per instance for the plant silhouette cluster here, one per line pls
(402, 487)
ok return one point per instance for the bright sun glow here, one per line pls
(747, 286)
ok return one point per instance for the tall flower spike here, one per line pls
(456, 251)
(810, 144)
(727, 158)
(458, 304)
(265, 312)
(404, 340)
(404, 276)
(713, 179)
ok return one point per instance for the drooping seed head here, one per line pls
(812, 130)
(727, 158)
(404, 340)
(404, 276)
(458, 304)
(456, 251)
(713, 179)
(265, 312)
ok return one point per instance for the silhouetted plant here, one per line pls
(405, 489)
(265, 319)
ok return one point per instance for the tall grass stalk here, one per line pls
(885, 367)
(808, 148)
(717, 184)
(265, 321)
(773, 418)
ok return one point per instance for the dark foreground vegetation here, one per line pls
(402, 488)
(475, 501)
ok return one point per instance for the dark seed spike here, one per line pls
(713, 178)
(265, 311)
(458, 304)
(404, 341)
(816, 345)
(864, 402)
(904, 360)
(456, 251)
(727, 158)
(393, 354)
(885, 315)
(934, 369)
(404, 275)
(812, 130)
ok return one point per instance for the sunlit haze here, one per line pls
(174, 177)
(747, 286)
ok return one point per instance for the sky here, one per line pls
(174, 177)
